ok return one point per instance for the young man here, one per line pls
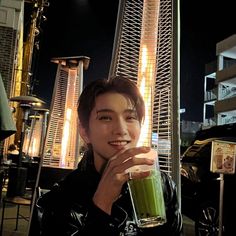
(94, 198)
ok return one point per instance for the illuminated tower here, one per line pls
(146, 49)
(62, 142)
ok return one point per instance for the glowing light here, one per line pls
(65, 137)
(147, 66)
(34, 148)
(145, 83)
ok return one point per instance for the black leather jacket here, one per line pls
(68, 208)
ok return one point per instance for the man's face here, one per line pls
(113, 125)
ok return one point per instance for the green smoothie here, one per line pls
(147, 200)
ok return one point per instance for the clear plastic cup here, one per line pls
(147, 194)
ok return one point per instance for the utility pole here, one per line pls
(28, 50)
(29, 44)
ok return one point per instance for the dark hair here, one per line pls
(118, 84)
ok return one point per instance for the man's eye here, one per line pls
(132, 117)
(105, 118)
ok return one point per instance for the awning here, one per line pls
(7, 125)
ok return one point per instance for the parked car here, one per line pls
(200, 188)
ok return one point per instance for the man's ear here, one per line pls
(83, 134)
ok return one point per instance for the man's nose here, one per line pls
(120, 128)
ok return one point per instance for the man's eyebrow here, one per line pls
(104, 110)
(131, 110)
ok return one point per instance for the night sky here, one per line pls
(76, 28)
(86, 27)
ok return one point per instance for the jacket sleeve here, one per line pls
(56, 217)
(97, 222)
(174, 216)
(174, 225)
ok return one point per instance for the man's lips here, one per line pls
(119, 143)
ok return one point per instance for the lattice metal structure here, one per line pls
(125, 61)
(62, 142)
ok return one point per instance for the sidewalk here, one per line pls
(9, 225)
